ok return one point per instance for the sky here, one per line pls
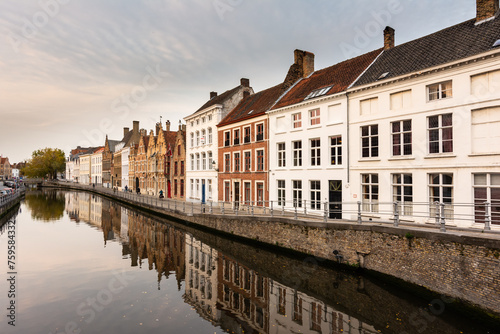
(72, 71)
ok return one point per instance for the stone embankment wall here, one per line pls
(462, 265)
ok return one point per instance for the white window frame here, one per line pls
(336, 150)
(370, 192)
(315, 194)
(297, 153)
(315, 151)
(281, 149)
(440, 91)
(297, 120)
(440, 129)
(403, 136)
(370, 135)
(314, 117)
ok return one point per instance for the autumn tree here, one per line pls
(46, 162)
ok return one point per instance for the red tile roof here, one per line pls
(340, 75)
(253, 105)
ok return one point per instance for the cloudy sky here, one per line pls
(72, 71)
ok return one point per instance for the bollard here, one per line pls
(222, 208)
(359, 212)
(211, 207)
(396, 214)
(442, 221)
(487, 216)
(295, 211)
(251, 208)
(272, 211)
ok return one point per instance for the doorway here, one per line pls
(335, 199)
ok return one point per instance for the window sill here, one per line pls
(280, 132)
(296, 130)
(483, 154)
(312, 127)
(401, 158)
(440, 155)
(335, 123)
(369, 159)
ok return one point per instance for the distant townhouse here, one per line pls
(140, 164)
(5, 169)
(202, 142)
(178, 164)
(308, 147)
(85, 171)
(96, 165)
(107, 161)
(424, 125)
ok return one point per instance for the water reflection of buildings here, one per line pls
(163, 246)
(221, 290)
(244, 296)
(201, 279)
(292, 311)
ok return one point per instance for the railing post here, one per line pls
(442, 220)
(305, 207)
(396, 214)
(236, 207)
(251, 208)
(438, 214)
(272, 210)
(359, 212)
(325, 214)
(211, 207)
(222, 208)
(487, 216)
(295, 214)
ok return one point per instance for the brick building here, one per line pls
(5, 169)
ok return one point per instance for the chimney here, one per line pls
(246, 94)
(167, 125)
(302, 67)
(125, 131)
(245, 82)
(136, 127)
(486, 9)
(183, 128)
(388, 38)
(212, 95)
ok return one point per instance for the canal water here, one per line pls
(84, 264)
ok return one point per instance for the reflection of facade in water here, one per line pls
(95, 210)
(72, 206)
(244, 295)
(84, 206)
(201, 279)
(294, 312)
(161, 244)
(111, 219)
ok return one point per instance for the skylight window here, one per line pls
(383, 75)
(497, 43)
(251, 111)
(318, 92)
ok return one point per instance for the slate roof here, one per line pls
(454, 43)
(112, 144)
(340, 75)
(253, 105)
(219, 99)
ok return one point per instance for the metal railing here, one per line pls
(7, 199)
(436, 214)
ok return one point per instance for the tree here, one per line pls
(45, 163)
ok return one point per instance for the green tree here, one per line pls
(46, 162)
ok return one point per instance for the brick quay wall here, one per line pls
(463, 265)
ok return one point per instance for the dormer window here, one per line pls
(318, 92)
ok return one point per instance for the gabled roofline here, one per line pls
(364, 71)
(199, 112)
(442, 67)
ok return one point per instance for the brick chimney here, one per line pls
(125, 131)
(246, 94)
(302, 67)
(388, 38)
(212, 95)
(245, 82)
(486, 9)
(136, 127)
(167, 125)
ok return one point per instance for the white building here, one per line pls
(96, 166)
(202, 142)
(308, 165)
(70, 175)
(425, 129)
(85, 175)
